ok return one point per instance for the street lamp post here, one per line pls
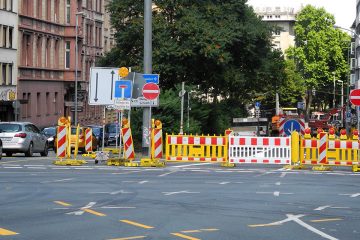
(76, 68)
(342, 102)
(334, 99)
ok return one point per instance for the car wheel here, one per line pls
(8, 154)
(29, 152)
(1, 150)
(46, 151)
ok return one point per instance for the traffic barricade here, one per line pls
(259, 150)
(326, 151)
(88, 140)
(189, 148)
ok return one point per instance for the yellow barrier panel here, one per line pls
(189, 148)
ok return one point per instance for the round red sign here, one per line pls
(355, 97)
(150, 91)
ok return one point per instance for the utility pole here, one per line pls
(147, 69)
(182, 93)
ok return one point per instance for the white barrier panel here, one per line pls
(263, 150)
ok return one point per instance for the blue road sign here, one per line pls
(290, 126)
(123, 89)
(151, 78)
(257, 105)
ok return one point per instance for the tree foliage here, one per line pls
(320, 52)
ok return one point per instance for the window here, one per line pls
(68, 11)
(39, 51)
(352, 79)
(352, 48)
(352, 63)
(10, 78)
(47, 52)
(48, 103)
(5, 4)
(38, 104)
(39, 8)
(28, 107)
(48, 10)
(56, 102)
(11, 5)
(4, 36)
(3, 80)
(56, 10)
(10, 36)
(56, 54)
(27, 50)
(67, 54)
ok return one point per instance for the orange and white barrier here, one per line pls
(157, 145)
(264, 150)
(128, 143)
(188, 148)
(88, 140)
(61, 141)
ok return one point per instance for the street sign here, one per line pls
(301, 105)
(355, 97)
(123, 89)
(290, 126)
(101, 85)
(151, 78)
(151, 91)
(121, 104)
(257, 105)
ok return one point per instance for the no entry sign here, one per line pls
(151, 91)
(355, 97)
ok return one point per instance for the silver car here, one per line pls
(22, 137)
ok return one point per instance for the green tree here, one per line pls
(319, 52)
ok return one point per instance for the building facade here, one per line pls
(47, 62)
(8, 59)
(355, 77)
(284, 19)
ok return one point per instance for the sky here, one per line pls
(343, 10)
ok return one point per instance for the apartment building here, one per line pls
(47, 63)
(284, 19)
(356, 50)
(8, 58)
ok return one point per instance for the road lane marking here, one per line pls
(165, 174)
(82, 210)
(185, 236)
(190, 165)
(129, 238)
(136, 224)
(117, 207)
(296, 219)
(278, 183)
(12, 167)
(112, 193)
(276, 193)
(350, 194)
(6, 232)
(322, 208)
(63, 203)
(283, 174)
(327, 220)
(191, 231)
(172, 193)
(60, 180)
(88, 210)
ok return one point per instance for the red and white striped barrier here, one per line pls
(157, 143)
(88, 140)
(61, 141)
(265, 150)
(128, 143)
(322, 148)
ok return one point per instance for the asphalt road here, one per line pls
(41, 201)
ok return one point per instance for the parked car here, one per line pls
(98, 132)
(50, 132)
(113, 130)
(81, 146)
(22, 137)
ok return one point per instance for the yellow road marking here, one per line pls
(93, 212)
(5, 232)
(264, 225)
(327, 220)
(136, 224)
(185, 236)
(191, 231)
(63, 203)
(128, 238)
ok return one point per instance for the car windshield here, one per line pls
(113, 129)
(49, 131)
(96, 131)
(10, 127)
(73, 131)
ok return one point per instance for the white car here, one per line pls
(22, 137)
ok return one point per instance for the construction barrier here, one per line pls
(324, 152)
(128, 143)
(156, 143)
(264, 150)
(88, 140)
(189, 148)
(61, 143)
